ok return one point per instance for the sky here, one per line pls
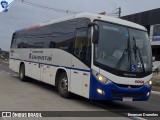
(21, 15)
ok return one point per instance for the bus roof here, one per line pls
(110, 19)
(92, 17)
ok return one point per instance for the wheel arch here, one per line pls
(60, 70)
(21, 63)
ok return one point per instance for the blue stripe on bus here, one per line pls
(54, 65)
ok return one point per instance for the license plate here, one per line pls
(127, 99)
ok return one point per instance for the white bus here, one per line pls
(91, 55)
(155, 43)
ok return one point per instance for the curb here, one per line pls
(155, 92)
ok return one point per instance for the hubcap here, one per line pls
(63, 85)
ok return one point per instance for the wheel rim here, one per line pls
(63, 85)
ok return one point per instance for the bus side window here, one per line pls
(14, 40)
(52, 44)
(82, 46)
(18, 42)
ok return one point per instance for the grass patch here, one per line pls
(155, 83)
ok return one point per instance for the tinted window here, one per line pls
(23, 43)
(34, 42)
(13, 41)
(82, 47)
(122, 48)
(59, 35)
(156, 30)
(16, 41)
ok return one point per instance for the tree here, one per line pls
(0, 50)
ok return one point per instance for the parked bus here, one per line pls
(155, 43)
(91, 55)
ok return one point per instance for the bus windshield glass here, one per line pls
(122, 48)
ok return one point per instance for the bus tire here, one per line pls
(22, 76)
(63, 86)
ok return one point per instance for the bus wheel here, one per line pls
(63, 86)
(22, 76)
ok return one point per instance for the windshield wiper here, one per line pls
(139, 53)
(125, 52)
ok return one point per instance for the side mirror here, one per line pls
(95, 32)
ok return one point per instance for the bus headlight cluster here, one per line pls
(149, 83)
(101, 78)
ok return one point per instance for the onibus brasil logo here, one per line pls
(5, 4)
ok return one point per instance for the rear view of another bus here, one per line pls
(155, 43)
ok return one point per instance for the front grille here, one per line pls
(126, 86)
(118, 94)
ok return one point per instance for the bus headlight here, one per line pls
(101, 78)
(149, 83)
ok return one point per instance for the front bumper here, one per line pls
(112, 91)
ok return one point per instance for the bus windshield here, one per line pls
(123, 48)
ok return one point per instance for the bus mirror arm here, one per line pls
(95, 32)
